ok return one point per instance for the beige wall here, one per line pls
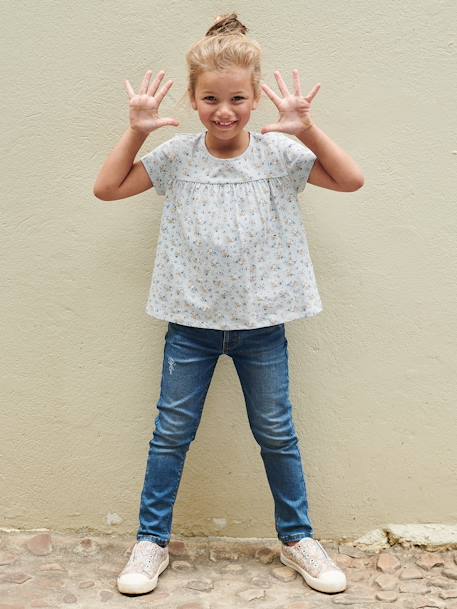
(372, 377)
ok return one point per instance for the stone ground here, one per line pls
(50, 569)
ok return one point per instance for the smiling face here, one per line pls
(225, 97)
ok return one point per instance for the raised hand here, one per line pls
(144, 106)
(294, 109)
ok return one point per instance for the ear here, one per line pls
(256, 101)
(192, 100)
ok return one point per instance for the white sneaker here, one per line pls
(310, 559)
(146, 563)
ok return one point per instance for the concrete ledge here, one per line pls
(430, 537)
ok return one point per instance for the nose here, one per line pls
(224, 113)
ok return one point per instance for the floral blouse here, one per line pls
(232, 251)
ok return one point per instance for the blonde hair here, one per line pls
(224, 46)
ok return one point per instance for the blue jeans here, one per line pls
(261, 360)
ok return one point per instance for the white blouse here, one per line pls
(232, 250)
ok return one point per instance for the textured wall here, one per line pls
(372, 377)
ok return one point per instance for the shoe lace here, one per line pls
(144, 554)
(324, 555)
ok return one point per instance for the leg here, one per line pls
(261, 361)
(190, 357)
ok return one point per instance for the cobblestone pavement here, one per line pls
(47, 569)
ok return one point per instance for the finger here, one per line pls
(165, 122)
(168, 121)
(312, 94)
(152, 89)
(271, 94)
(144, 84)
(296, 77)
(272, 127)
(281, 84)
(163, 91)
(130, 91)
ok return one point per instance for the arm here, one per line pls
(119, 176)
(333, 168)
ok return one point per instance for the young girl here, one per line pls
(232, 266)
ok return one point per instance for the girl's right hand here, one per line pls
(144, 106)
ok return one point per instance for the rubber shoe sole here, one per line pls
(331, 581)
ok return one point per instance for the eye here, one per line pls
(211, 97)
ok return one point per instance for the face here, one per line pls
(224, 97)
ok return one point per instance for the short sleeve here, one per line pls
(160, 164)
(299, 161)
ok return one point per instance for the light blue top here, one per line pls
(232, 250)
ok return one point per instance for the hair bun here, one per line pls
(227, 24)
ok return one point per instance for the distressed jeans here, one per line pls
(260, 357)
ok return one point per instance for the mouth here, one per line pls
(224, 125)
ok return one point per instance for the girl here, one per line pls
(232, 266)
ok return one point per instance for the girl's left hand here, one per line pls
(294, 109)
